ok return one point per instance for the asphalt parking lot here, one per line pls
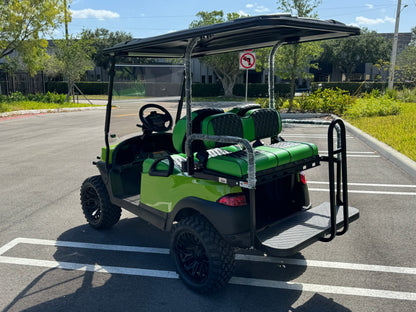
(51, 260)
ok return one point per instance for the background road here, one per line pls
(44, 160)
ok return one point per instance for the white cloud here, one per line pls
(364, 21)
(242, 13)
(257, 8)
(370, 6)
(261, 9)
(91, 13)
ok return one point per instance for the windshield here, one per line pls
(138, 85)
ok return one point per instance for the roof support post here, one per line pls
(188, 94)
(108, 110)
(271, 72)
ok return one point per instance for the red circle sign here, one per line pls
(248, 60)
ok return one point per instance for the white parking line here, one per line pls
(353, 291)
(368, 192)
(368, 184)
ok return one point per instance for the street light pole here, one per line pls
(66, 19)
(395, 40)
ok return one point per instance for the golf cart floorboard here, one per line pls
(297, 231)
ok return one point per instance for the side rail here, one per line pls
(337, 170)
(338, 181)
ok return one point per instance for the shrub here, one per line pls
(326, 101)
(49, 97)
(371, 105)
(278, 102)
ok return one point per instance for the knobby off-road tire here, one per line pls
(204, 260)
(96, 205)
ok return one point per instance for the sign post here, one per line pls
(247, 61)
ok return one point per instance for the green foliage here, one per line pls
(348, 53)
(279, 103)
(373, 104)
(406, 63)
(303, 8)
(102, 38)
(326, 101)
(225, 65)
(398, 131)
(22, 23)
(358, 88)
(49, 97)
(205, 90)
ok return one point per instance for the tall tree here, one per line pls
(102, 38)
(406, 63)
(348, 53)
(72, 59)
(293, 61)
(22, 23)
(225, 65)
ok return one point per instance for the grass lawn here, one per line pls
(397, 131)
(27, 105)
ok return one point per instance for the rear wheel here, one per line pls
(204, 260)
(98, 210)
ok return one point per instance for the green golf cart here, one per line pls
(218, 180)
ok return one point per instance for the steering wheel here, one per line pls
(155, 121)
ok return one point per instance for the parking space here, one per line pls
(50, 260)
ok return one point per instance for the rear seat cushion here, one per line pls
(266, 157)
(236, 163)
(288, 151)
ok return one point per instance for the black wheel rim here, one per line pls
(92, 204)
(192, 257)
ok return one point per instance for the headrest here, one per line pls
(261, 123)
(179, 132)
(221, 124)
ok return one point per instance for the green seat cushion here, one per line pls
(236, 163)
(289, 151)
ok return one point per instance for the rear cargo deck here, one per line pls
(301, 229)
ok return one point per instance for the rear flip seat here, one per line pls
(255, 124)
(260, 124)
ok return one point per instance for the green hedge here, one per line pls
(359, 87)
(90, 88)
(261, 89)
(206, 90)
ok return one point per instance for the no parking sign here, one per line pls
(247, 60)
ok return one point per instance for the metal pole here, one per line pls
(271, 72)
(66, 19)
(394, 50)
(246, 83)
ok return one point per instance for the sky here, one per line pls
(155, 17)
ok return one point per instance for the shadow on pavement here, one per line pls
(71, 290)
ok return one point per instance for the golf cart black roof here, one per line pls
(236, 35)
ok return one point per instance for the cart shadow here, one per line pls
(68, 290)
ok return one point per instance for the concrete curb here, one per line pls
(403, 162)
(54, 110)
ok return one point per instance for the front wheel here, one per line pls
(204, 260)
(96, 205)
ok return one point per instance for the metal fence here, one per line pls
(21, 81)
